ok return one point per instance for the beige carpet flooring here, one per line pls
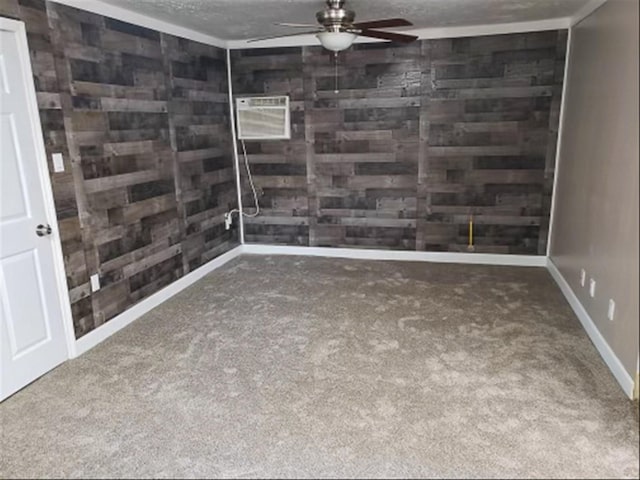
(313, 367)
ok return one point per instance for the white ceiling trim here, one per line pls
(122, 14)
(587, 10)
(119, 13)
(422, 33)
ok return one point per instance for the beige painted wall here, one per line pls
(595, 224)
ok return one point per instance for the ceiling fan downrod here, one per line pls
(335, 16)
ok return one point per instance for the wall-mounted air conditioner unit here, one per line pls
(263, 118)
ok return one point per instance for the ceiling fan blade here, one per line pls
(386, 23)
(270, 37)
(394, 37)
(296, 25)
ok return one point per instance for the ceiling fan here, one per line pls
(337, 29)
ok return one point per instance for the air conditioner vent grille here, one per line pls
(263, 118)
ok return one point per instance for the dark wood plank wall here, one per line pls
(417, 139)
(279, 167)
(201, 137)
(142, 120)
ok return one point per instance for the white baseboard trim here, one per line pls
(117, 323)
(407, 256)
(103, 332)
(606, 352)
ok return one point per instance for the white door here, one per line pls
(32, 330)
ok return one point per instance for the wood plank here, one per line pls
(132, 105)
(117, 181)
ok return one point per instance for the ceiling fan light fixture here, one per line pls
(336, 41)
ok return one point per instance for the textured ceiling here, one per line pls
(244, 19)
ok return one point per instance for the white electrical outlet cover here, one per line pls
(583, 277)
(58, 162)
(612, 309)
(592, 287)
(95, 282)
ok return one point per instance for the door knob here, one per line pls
(42, 230)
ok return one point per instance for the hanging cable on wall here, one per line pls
(258, 118)
(253, 187)
(228, 215)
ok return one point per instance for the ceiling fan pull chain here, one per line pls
(335, 56)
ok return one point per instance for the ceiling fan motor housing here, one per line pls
(335, 17)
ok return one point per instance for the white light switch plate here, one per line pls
(58, 162)
(95, 282)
